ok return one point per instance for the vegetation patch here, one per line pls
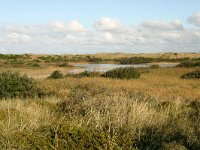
(135, 60)
(192, 75)
(13, 85)
(122, 73)
(154, 66)
(89, 74)
(94, 59)
(56, 75)
(64, 65)
(35, 65)
(189, 64)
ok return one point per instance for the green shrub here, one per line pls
(84, 74)
(12, 56)
(192, 75)
(64, 65)
(89, 74)
(94, 59)
(189, 64)
(13, 85)
(122, 73)
(154, 66)
(34, 65)
(60, 136)
(56, 75)
(135, 60)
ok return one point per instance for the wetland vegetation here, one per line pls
(128, 108)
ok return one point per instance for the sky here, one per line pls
(95, 26)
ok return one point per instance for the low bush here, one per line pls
(89, 74)
(56, 75)
(64, 65)
(154, 66)
(189, 64)
(36, 65)
(59, 136)
(94, 59)
(122, 73)
(84, 74)
(13, 85)
(192, 75)
(135, 60)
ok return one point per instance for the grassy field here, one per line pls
(157, 111)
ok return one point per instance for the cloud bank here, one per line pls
(105, 35)
(194, 19)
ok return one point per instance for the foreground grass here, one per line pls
(157, 111)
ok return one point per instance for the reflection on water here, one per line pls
(107, 67)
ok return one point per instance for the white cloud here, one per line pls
(73, 26)
(17, 37)
(107, 35)
(57, 26)
(194, 19)
(107, 24)
(162, 25)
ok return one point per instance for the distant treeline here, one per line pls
(13, 56)
(22, 59)
(140, 60)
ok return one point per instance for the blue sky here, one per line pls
(87, 11)
(87, 15)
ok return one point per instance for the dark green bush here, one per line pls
(56, 75)
(54, 58)
(64, 65)
(13, 85)
(59, 136)
(154, 66)
(189, 64)
(34, 65)
(140, 60)
(122, 73)
(94, 59)
(84, 74)
(135, 60)
(89, 74)
(192, 75)
(12, 56)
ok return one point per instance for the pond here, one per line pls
(107, 67)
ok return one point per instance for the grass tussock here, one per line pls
(157, 111)
(104, 122)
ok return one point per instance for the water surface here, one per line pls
(107, 67)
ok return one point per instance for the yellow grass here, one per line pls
(164, 83)
(118, 108)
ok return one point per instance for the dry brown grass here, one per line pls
(152, 108)
(164, 83)
(128, 55)
(37, 73)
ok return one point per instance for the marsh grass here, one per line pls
(157, 111)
